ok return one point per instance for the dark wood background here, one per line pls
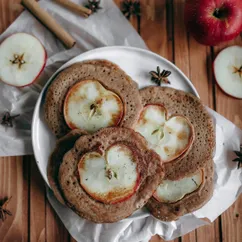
(161, 26)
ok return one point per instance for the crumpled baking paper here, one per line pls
(105, 28)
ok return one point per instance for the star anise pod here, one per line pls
(158, 77)
(129, 8)
(4, 211)
(94, 5)
(7, 119)
(239, 158)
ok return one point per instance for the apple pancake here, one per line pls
(91, 95)
(178, 127)
(106, 176)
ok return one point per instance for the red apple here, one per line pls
(211, 22)
(22, 59)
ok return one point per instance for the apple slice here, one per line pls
(169, 138)
(172, 191)
(227, 69)
(22, 59)
(112, 177)
(90, 106)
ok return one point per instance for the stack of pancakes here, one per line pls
(120, 148)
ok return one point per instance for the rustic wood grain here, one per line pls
(14, 182)
(161, 26)
(37, 204)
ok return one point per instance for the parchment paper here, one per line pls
(105, 28)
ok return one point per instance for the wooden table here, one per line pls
(161, 26)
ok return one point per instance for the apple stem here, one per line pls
(216, 13)
(221, 13)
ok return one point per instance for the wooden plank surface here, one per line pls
(161, 26)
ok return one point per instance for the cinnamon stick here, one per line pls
(85, 12)
(49, 22)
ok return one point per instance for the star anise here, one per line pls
(238, 70)
(159, 77)
(129, 8)
(4, 211)
(239, 158)
(94, 5)
(7, 119)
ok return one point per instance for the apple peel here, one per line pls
(169, 137)
(22, 59)
(227, 68)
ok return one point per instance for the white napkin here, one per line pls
(105, 28)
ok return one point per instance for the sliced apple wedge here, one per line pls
(169, 138)
(112, 177)
(90, 106)
(22, 59)
(227, 69)
(172, 191)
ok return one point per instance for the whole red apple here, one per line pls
(211, 22)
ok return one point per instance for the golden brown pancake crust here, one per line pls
(182, 103)
(62, 146)
(108, 74)
(188, 204)
(149, 166)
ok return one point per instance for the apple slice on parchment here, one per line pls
(172, 191)
(90, 106)
(111, 177)
(22, 59)
(227, 69)
(170, 138)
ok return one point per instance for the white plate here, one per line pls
(135, 62)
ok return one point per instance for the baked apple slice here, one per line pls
(171, 137)
(108, 175)
(90, 106)
(22, 59)
(111, 177)
(172, 191)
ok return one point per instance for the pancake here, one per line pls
(110, 77)
(179, 102)
(149, 171)
(169, 211)
(62, 146)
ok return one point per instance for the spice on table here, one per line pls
(239, 158)
(7, 119)
(129, 8)
(93, 5)
(45, 18)
(158, 77)
(75, 7)
(4, 211)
